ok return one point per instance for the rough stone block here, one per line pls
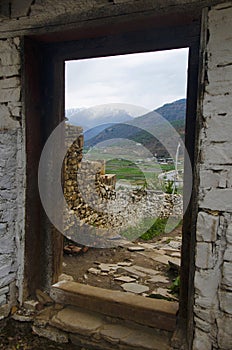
(51, 333)
(203, 325)
(225, 298)
(219, 129)
(224, 332)
(228, 253)
(207, 226)
(7, 123)
(227, 274)
(6, 45)
(213, 104)
(9, 71)
(7, 244)
(4, 270)
(72, 320)
(146, 340)
(12, 94)
(10, 57)
(5, 281)
(3, 228)
(209, 179)
(206, 287)
(217, 199)
(229, 233)
(117, 304)
(221, 74)
(218, 88)
(217, 153)
(114, 333)
(205, 314)
(4, 290)
(4, 111)
(9, 83)
(204, 255)
(201, 341)
(223, 180)
(16, 111)
(2, 299)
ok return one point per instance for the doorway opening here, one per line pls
(45, 57)
(128, 114)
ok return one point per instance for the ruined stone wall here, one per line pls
(84, 186)
(213, 277)
(11, 174)
(92, 198)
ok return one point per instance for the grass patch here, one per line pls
(124, 169)
(133, 232)
(167, 167)
(155, 230)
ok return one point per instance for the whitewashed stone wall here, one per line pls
(213, 278)
(11, 174)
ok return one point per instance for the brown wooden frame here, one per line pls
(43, 68)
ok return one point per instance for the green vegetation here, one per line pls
(137, 175)
(133, 232)
(175, 287)
(124, 169)
(167, 167)
(155, 230)
(168, 187)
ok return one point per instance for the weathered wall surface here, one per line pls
(11, 173)
(213, 278)
(27, 16)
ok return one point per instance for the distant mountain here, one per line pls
(90, 133)
(72, 111)
(104, 114)
(173, 111)
(142, 129)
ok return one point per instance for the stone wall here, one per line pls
(11, 174)
(91, 195)
(213, 277)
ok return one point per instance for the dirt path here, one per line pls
(149, 267)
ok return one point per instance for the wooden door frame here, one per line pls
(44, 58)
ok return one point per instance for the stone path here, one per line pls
(131, 274)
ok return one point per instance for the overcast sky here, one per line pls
(146, 79)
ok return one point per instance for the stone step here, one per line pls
(156, 313)
(95, 331)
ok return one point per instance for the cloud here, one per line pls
(145, 79)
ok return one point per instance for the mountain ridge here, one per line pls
(151, 130)
(92, 117)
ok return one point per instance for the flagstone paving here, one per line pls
(148, 266)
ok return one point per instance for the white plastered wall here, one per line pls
(213, 277)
